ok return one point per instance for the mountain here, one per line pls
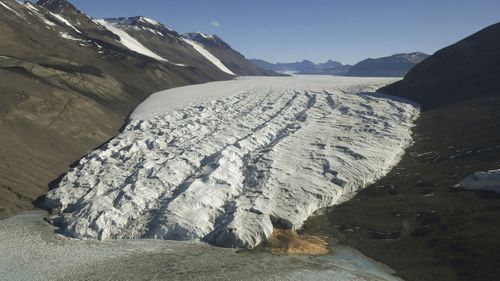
(465, 70)
(305, 67)
(68, 82)
(392, 66)
(232, 59)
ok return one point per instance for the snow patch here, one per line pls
(10, 9)
(225, 162)
(150, 21)
(70, 37)
(487, 181)
(198, 47)
(128, 41)
(37, 13)
(205, 35)
(65, 21)
(7, 7)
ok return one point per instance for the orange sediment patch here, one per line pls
(286, 241)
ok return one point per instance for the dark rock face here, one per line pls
(232, 59)
(465, 70)
(393, 66)
(65, 90)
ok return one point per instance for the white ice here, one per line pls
(128, 41)
(225, 162)
(204, 52)
(487, 181)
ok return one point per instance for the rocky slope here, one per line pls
(330, 67)
(465, 70)
(67, 83)
(392, 66)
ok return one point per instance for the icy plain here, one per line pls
(225, 162)
(30, 250)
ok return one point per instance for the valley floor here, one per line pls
(31, 251)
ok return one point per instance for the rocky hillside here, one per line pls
(465, 70)
(67, 82)
(392, 66)
(231, 58)
(330, 67)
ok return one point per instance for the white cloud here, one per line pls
(215, 23)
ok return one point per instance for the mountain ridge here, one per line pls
(305, 66)
(396, 65)
(465, 70)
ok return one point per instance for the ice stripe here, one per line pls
(204, 52)
(65, 21)
(129, 42)
(37, 13)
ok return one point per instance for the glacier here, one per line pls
(226, 162)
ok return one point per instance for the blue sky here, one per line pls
(291, 30)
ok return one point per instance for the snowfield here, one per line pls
(225, 162)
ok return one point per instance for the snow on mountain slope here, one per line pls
(129, 42)
(198, 47)
(10, 9)
(226, 162)
(35, 11)
(6, 7)
(65, 21)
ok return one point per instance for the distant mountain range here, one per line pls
(392, 66)
(304, 67)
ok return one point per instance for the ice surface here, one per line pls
(128, 41)
(204, 52)
(29, 250)
(225, 162)
(488, 181)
